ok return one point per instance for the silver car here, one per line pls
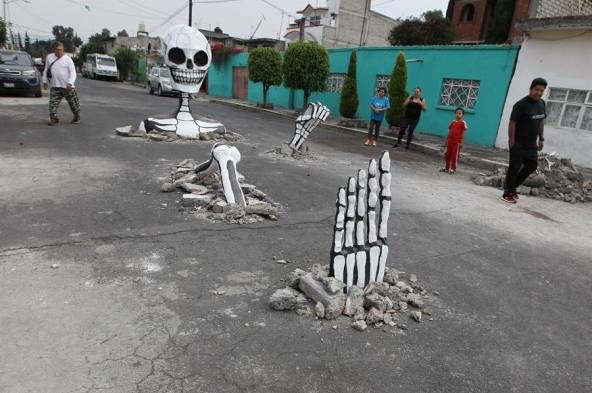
(159, 81)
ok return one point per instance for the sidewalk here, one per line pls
(484, 158)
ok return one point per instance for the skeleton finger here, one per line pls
(374, 248)
(361, 229)
(338, 260)
(385, 209)
(350, 218)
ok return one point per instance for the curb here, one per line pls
(482, 163)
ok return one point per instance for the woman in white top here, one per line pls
(59, 75)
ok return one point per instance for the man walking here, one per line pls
(414, 105)
(526, 138)
(59, 75)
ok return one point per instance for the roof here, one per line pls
(214, 34)
(313, 8)
(556, 23)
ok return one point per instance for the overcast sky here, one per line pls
(236, 17)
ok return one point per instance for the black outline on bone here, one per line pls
(315, 113)
(182, 115)
(370, 254)
(228, 173)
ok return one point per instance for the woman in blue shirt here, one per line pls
(379, 105)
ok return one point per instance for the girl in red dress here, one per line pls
(456, 133)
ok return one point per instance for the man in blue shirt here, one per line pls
(379, 105)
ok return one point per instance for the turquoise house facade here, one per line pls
(475, 77)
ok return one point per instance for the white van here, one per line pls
(99, 66)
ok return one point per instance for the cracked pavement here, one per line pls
(105, 289)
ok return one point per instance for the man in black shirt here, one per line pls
(414, 105)
(526, 138)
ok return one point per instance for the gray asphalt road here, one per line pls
(105, 289)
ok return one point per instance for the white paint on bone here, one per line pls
(314, 114)
(224, 158)
(370, 251)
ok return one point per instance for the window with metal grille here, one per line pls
(569, 108)
(335, 83)
(460, 92)
(382, 81)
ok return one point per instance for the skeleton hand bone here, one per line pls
(359, 251)
(224, 158)
(307, 122)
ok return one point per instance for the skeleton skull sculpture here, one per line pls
(307, 122)
(188, 55)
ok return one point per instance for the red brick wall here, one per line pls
(469, 31)
(520, 13)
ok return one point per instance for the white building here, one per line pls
(558, 47)
(343, 23)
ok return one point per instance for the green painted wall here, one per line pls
(493, 66)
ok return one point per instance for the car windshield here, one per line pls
(106, 61)
(15, 59)
(164, 73)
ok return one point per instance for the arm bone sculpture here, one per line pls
(224, 159)
(307, 122)
(360, 251)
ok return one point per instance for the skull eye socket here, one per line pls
(177, 56)
(200, 59)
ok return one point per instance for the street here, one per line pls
(107, 286)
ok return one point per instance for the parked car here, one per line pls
(98, 66)
(159, 81)
(18, 73)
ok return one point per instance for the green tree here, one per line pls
(265, 66)
(27, 43)
(348, 105)
(306, 67)
(3, 33)
(20, 42)
(499, 25)
(105, 34)
(431, 29)
(66, 36)
(127, 62)
(397, 92)
(122, 33)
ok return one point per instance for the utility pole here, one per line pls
(190, 12)
(301, 23)
(362, 34)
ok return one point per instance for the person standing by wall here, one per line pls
(526, 138)
(414, 105)
(456, 134)
(379, 105)
(59, 76)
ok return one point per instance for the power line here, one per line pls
(109, 11)
(169, 18)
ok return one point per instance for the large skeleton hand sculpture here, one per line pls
(188, 56)
(308, 121)
(224, 158)
(359, 257)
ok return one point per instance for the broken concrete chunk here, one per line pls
(168, 187)
(413, 278)
(319, 271)
(374, 316)
(294, 277)
(194, 188)
(261, 208)
(196, 200)
(377, 287)
(388, 318)
(393, 275)
(284, 299)
(415, 300)
(416, 316)
(360, 326)
(333, 285)
(320, 310)
(185, 179)
(220, 207)
(374, 300)
(315, 290)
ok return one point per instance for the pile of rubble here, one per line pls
(156, 136)
(387, 304)
(205, 197)
(557, 178)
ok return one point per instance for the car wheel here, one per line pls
(159, 90)
(149, 89)
(38, 93)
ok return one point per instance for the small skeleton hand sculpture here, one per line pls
(361, 257)
(183, 123)
(308, 121)
(224, 158)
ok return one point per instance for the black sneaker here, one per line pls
(395, 145)
(76, 119)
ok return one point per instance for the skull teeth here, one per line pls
(190, 77)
